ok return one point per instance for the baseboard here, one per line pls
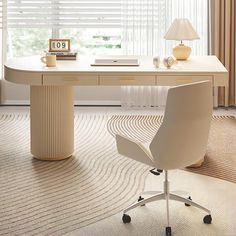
(76, 102)
(97, 103)
(15, 102)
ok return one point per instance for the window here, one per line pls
(94, 41)
(101, 26)
(27, 41)
(145, 23)
(84, 21)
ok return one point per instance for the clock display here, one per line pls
(59, 45)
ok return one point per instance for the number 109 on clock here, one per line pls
(59, 45)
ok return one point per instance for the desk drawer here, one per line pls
(127, 80)
(66, 79)
(177, 80)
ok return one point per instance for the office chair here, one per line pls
(180, 141)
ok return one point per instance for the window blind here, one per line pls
(64, 13)
(1, 15)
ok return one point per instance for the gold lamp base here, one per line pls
(181, 52)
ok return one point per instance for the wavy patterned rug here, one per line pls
(220, 159)
(53, 198)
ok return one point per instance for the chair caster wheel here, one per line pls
(140, 199)
(207, 219)
(186, 204)
(126, 219)
(168, 231)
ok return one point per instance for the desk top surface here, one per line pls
(197, 64)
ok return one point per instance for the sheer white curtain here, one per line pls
(145, 23)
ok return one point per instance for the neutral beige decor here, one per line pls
(53, 198)
(147, 221)
(180, 141)
(52, 104)
(52, 122)
(29, 71)
(223, 43)
(49, 60)
(220, 158)
(181, 29)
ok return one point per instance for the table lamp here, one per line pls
(181, 29)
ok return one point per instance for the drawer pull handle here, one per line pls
(184, 80)
(71, 79)
(127, 80)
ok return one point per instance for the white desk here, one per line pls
(51, 97)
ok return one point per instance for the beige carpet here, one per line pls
(218, 195)
(57, 198)
(220, 159)
(53, 198)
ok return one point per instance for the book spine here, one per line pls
(63, 53)
(66, 58)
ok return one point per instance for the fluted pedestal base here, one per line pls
(52, 122)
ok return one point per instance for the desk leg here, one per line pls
(52, 122)
(226, 96)
(215, 97)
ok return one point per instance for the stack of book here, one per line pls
(64, 55)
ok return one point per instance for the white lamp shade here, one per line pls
(181, 29)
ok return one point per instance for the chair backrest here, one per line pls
(182, 138)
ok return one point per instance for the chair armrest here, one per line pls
(133, 150)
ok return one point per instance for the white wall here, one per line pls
(84, 95)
